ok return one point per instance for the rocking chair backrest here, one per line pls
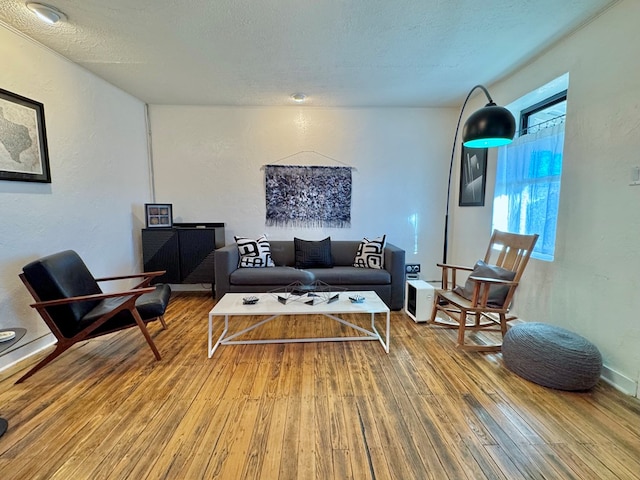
(62, 275)
(511, 251)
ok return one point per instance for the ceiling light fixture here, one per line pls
(298, 97)
(46, 13)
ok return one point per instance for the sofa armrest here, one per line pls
(394, 258)
(225, 262)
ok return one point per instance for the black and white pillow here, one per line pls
(371, 253)
(254, 253)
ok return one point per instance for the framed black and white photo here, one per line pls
(159, 215)
(473, 177)
(23, 140)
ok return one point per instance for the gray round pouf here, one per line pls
(551, 356)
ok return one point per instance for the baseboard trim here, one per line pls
(619, 381)
(23, 352)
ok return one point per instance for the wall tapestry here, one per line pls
(308, 196)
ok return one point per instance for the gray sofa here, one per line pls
(388, 283)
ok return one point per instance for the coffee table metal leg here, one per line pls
(221, 337)
(385, 343)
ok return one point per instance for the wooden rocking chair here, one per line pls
(483, 303)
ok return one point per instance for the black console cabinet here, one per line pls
(185, 251)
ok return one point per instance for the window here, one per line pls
(527, 191)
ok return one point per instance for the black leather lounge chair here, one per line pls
(75, 308)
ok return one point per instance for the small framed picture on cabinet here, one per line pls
(159, 215)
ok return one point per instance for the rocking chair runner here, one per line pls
(488, 292)
(73, 306)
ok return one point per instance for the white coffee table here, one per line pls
(231, 304)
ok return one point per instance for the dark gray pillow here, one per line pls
(310, 254)
(497, 293)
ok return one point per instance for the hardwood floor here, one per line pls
(107, 410)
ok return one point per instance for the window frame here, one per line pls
(526, 113)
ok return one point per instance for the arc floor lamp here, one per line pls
(491, 126)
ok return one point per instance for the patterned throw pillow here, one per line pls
(310, 254)
(254, 253)
(371, 253)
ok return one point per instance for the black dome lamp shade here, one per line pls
(491, 126)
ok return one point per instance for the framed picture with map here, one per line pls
(23, 140)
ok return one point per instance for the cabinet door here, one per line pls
(197, 246)
(160, 252)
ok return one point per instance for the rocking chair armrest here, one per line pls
(133, 275)
(496, 281)
(97, 296)
(449, 274)
(481, 289)
(455, 267)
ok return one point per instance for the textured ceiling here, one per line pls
(338, 52)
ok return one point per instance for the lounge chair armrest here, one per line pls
(98, 296)
(133, 275)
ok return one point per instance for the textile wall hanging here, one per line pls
(308, 196)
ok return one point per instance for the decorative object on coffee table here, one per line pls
(313, 294)
(552, 356)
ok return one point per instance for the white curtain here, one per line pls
(527, 191)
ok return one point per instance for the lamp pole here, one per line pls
(488, 127)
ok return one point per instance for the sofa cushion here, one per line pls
(276, 276)
(371, 253)
(254, 253)
(341, 275)
(313, 254)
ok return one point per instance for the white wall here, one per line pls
(207, 162)
(592, 286)
(100, 180)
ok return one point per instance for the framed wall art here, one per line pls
(473, 177)
(159, 215)
(23, 140)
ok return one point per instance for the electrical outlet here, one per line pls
(412, 268)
